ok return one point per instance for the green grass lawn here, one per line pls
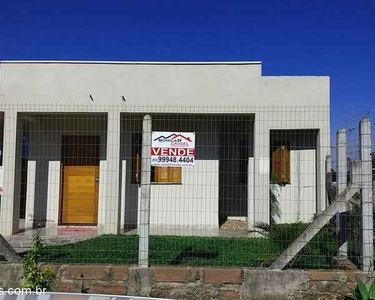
(203, 251)
(166, 250)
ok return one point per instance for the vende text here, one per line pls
(172, 152)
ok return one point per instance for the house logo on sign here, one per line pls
(175, 139)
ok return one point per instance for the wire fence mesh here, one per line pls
(256, 182)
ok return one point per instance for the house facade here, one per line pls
(71, 143)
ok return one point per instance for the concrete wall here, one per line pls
(197, 283)
(1, 136)
(171, 84)
(193, 203)
(298, 199)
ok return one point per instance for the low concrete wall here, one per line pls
(196, 283)
(180, 205)
(298, 199)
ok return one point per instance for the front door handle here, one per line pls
(96, 179)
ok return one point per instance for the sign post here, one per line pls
(144, 212)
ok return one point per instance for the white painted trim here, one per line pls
(30, 193)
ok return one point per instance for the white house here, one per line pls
(71, 137)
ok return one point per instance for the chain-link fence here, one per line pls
(218, 186)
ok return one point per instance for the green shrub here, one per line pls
(33, 277)
(362, 293)
(282, 235)
(354, 228)
(275, 211)
(317, 253)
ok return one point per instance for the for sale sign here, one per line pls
(173, 149)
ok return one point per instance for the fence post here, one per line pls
(8, 251)
(342, 182)
(367, 249)
(9, 209)
(144, 222)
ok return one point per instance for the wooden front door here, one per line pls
(80, 195)
(80, 184)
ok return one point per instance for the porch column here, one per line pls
(261, 169)
(53, 193)
(102, 205)
(123, 195)
(9, 212)
(112, 195)
(250, 194)
(30, 194)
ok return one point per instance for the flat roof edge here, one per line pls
(132, 62)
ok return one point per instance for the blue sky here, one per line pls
(334, 38)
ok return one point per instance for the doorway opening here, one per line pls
(80, 158)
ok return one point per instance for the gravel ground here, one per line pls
(234, 224)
